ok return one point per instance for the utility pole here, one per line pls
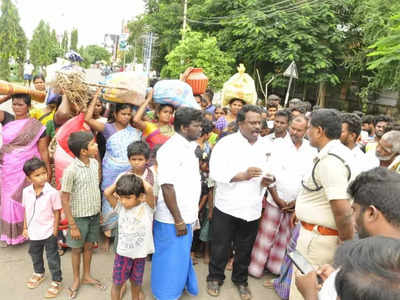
(184, 17)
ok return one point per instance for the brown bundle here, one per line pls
(72, 82)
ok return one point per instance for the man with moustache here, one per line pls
(177, 208)
(289, 163)
(380, 124)
(281, 125)
(237, 165)
(388, 150)
(351, 129)
(323, 205)
(376, 213)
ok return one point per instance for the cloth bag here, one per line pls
(174, 92)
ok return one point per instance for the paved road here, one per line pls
(16, 268)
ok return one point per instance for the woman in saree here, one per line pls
(235, 105)
(23, 138)
(43, 114)
(118, 134)
(158, 132)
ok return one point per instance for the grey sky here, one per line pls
(92, 18)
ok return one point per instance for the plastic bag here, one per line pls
(134, 84)
(240, 86)
(174, 92)
(51, 70)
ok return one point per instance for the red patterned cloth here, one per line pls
(272, 239)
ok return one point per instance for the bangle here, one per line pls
(181, 223)
(272, 185)
(74, 224)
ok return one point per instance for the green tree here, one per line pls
(64, 42)
(74, 40)
(93, 53)
(137, 28)
(39, 46)
(199, 50)
(12, 38)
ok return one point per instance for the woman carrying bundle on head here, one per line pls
(158, 132)
(118, 134)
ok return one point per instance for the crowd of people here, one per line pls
(241, 187)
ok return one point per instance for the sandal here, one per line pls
(35, 280)
(269, 284)
(244, 292)
(72, 293)
(213, 288)
(54, 289)
(96, 283)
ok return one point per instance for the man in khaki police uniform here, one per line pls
(323, 206)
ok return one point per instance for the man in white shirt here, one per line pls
(288, 163)
(281, 125)
(177, 208)
(28, 71)
(237, 164)
(351, 129)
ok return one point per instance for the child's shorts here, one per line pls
(126, 268)
(90, 231)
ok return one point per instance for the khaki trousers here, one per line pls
(318, 250)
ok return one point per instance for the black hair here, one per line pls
(270, 105)
(32, 165)
(115, 108)
(379, 187)
(284, 113)
(368, 119)
(139, 148)
(226, 110)
(237, 99)
(78, 141)
(209, 94)
(25, 97)
(241, 116)
(369, 269)
(360, 114)
(184, 116)
(382, 118)
(206, 127)
(353, 122)
(329, 120)
(129, 184)
(160, 107)
(38, 76)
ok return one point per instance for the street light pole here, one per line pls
(184, 17)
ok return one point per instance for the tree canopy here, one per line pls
(13, 42)
(74, 40)
(93, 53)
(199, 50)
(44, 47)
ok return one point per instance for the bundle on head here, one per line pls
(72, 82)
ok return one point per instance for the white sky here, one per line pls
(92, 18)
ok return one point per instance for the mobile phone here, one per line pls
(302, 264)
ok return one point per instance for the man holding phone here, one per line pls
(376, 213)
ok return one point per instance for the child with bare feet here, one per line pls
(81, 202)
(42, 213)
(133, 200)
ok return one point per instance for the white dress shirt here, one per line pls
(362, 161)
(178, 165)
(233, 155)
(274, 139)
(289, 165)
